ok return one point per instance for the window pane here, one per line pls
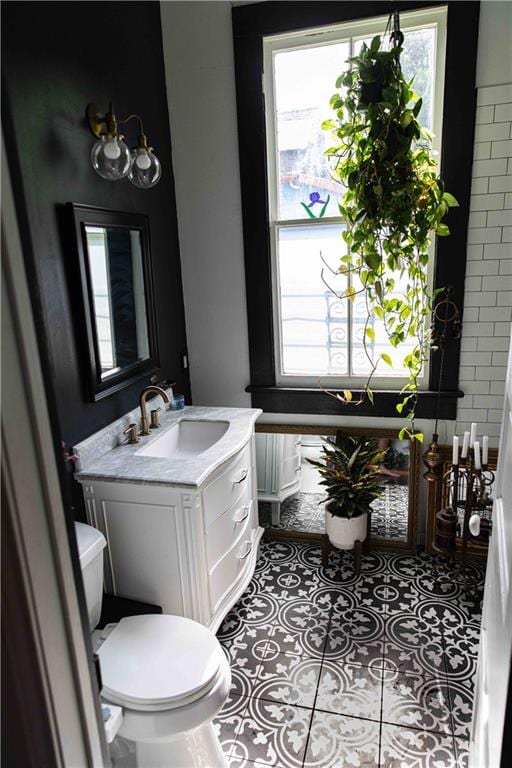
(304, 82)
(361, 365)
(314, 331)
(418, 64)
(418, 61)
(321, 334)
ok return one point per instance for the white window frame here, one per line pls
(316, 37)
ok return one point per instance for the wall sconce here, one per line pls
(110, 156)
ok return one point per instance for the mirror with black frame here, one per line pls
(291, 497)
(118, 324)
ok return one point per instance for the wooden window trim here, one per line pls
(251, 23)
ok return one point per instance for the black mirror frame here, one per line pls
(87, 340)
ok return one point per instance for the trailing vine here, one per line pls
(394, 202)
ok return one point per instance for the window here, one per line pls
(298, 332)
(316, 333)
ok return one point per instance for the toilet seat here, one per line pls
(159, 662)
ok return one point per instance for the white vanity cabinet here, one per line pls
(190, 550)
(278, 459)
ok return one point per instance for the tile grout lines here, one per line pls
(355, 717)
(426, 585)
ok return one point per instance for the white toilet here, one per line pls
(168, 673)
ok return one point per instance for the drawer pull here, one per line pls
(298, 469)
(245, 515)
(247, 553)
(243, 475)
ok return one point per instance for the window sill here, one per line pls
(311, 401)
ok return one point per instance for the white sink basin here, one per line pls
(186, 439)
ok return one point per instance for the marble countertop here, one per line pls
(122, 464)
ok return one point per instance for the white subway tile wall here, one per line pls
(488, 289)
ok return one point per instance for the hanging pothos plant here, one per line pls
(393, 204)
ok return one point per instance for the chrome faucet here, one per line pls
(152, 389)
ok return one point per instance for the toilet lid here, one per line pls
(158, 660)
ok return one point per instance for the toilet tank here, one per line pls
(91, 544)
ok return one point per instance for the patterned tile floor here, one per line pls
(301, 512)
(305, 512)
(390, 512)
(331, 670)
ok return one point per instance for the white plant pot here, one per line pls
(343, 532)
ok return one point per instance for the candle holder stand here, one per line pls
(468, 491)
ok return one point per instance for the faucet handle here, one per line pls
(155, 422)
(132, 432)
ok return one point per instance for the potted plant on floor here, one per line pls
(350, 475)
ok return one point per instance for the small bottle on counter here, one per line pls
(177, 402)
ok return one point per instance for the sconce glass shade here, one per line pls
(111, 158)
(145, 170)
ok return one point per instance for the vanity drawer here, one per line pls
(223, 492)
(291, 446)
(228, 528)
(227, 571)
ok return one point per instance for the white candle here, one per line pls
(465, 445)
(455, 454)
(476, 450)
(472, 436)
(485, 451)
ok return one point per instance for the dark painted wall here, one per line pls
(57, 57)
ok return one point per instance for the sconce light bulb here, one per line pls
(145, 170)
(110, 158)
(143, 159)
(112, 149)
